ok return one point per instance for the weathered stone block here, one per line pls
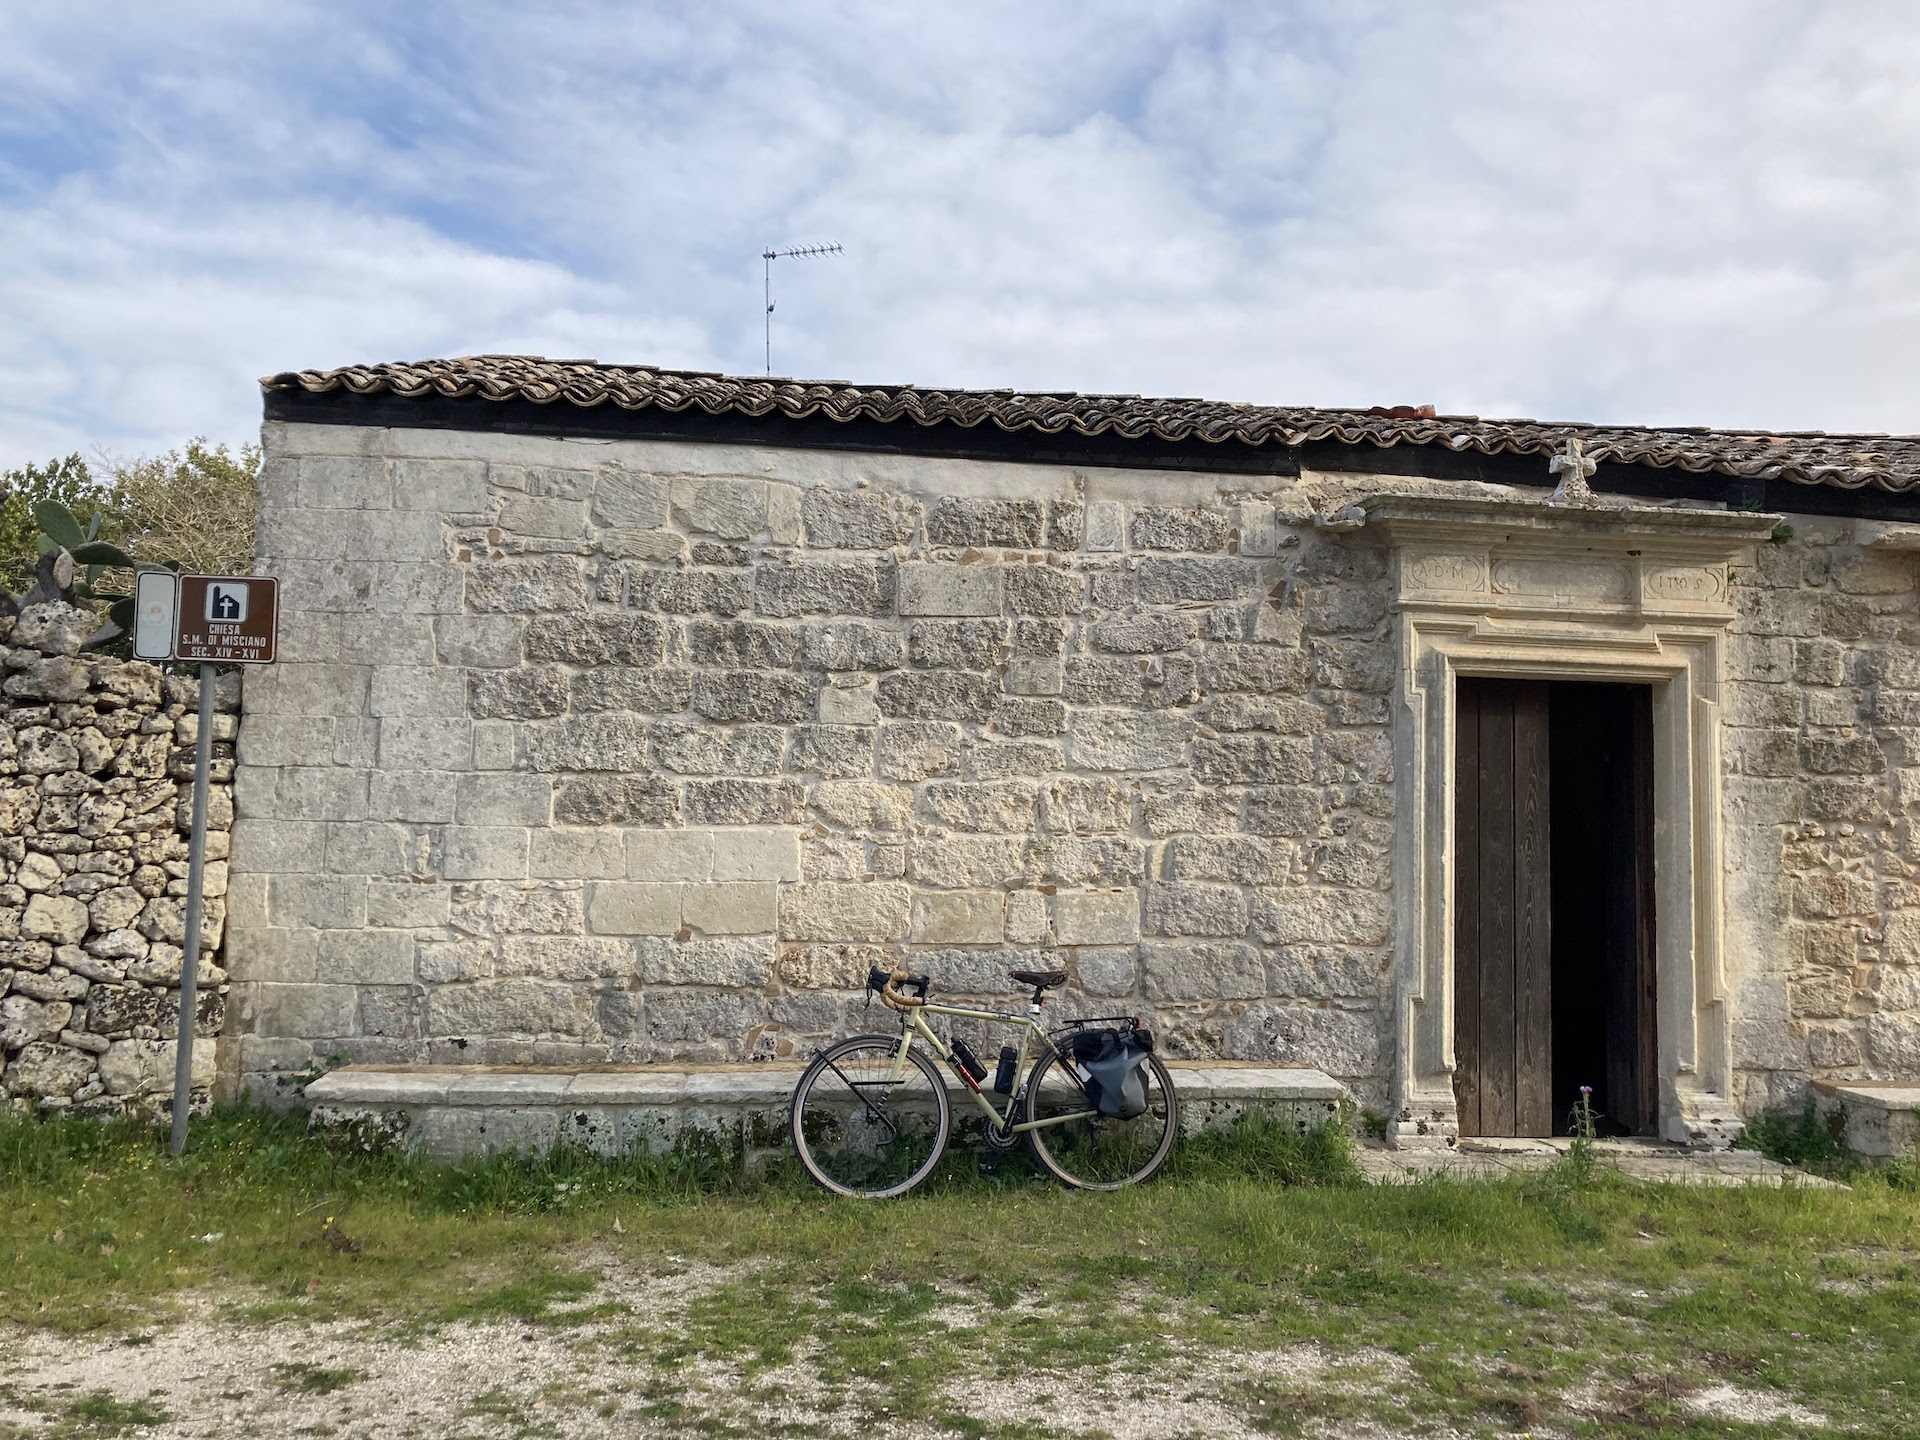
(1202, 972)
(846, 701)
(1029, 718)
(616, 800)
(1141, 634)
(365, 957)
(1175, 582)
(59, 919)
(960, 861)
(857, 519)
(1102, 860)
(1340, 1042)
(937, 589)
(709, 750)
(843, 645)
(701, 961)
(485, 852)
(589, 742)
(593, 854)
(1842, 755)
(757, 854)
(502, 1008)
(994, 807)
(684, 592)
(417, 690)
(1086, 805)
(544, 517)
(812, 587)
(742, 644)
(965, 520)
(663, 691)
(1033, 676)
(878, 911)
(1096, 917)
(49, 1071)
(425, 743)
(745, 802)
(833, 751)
(552, 583)
(1129, 740)
(828, 967)
(1160, 527)
(755, 695)
(729, 908)
(1323, 915)
(618, 908)
(528, 692)
(1043, 590)
(1106, 526)
(596, 640)
(401, 905)
(505, 800)
(1189, 909)
(957, 644)
(1028, 920)
(959, 917)
(669, 855)
(1265, 669)
(939, 695)
(24, 1020)
(448, 486)
(863, 805)
(1253, 759)
(731, 509)
(627, 500)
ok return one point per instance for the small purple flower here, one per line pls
(1586, 1090)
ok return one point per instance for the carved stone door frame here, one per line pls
(1528, 590)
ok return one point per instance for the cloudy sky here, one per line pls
(1693, 214)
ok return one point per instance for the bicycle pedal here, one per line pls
(989, 1163)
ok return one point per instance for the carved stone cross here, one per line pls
(1573, 467)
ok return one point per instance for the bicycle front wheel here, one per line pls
(1091, 1151)
(868, 1121)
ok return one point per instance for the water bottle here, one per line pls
(1003, 1076)
(969, 1061)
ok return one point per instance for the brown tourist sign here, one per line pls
(228, 619)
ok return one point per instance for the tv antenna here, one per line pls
(767, 257)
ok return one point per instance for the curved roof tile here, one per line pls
(1883, 462)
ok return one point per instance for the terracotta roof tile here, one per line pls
(1808, 457)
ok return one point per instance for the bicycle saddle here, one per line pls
(1039, 979)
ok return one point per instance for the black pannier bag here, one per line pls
(1112, 1061)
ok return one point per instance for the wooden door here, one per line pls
(1503, 959)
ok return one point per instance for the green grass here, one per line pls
(1500, 1299)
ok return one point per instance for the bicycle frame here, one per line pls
(1033, 1043)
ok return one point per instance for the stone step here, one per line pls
(453, 1110)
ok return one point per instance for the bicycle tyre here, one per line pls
(1085, 1153)
(826, 1109)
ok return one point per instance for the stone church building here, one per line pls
(628, 715)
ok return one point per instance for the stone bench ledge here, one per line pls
(1882, 1117)
(748, 1084)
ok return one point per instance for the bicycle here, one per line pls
(871, 1115)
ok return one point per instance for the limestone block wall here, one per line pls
(1823, 795)
(96, 769)
(587, 752)
(590, 751)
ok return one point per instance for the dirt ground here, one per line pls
(609, 1366)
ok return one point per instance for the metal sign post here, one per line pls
(230, 619)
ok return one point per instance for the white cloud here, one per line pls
(1693, 214)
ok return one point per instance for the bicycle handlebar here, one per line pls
(887, 983)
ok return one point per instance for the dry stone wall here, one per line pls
(96, 760)
(589, 752)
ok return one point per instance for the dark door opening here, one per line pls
(1553, 906)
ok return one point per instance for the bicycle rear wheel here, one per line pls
(861, 1129)
(1091, 1151)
